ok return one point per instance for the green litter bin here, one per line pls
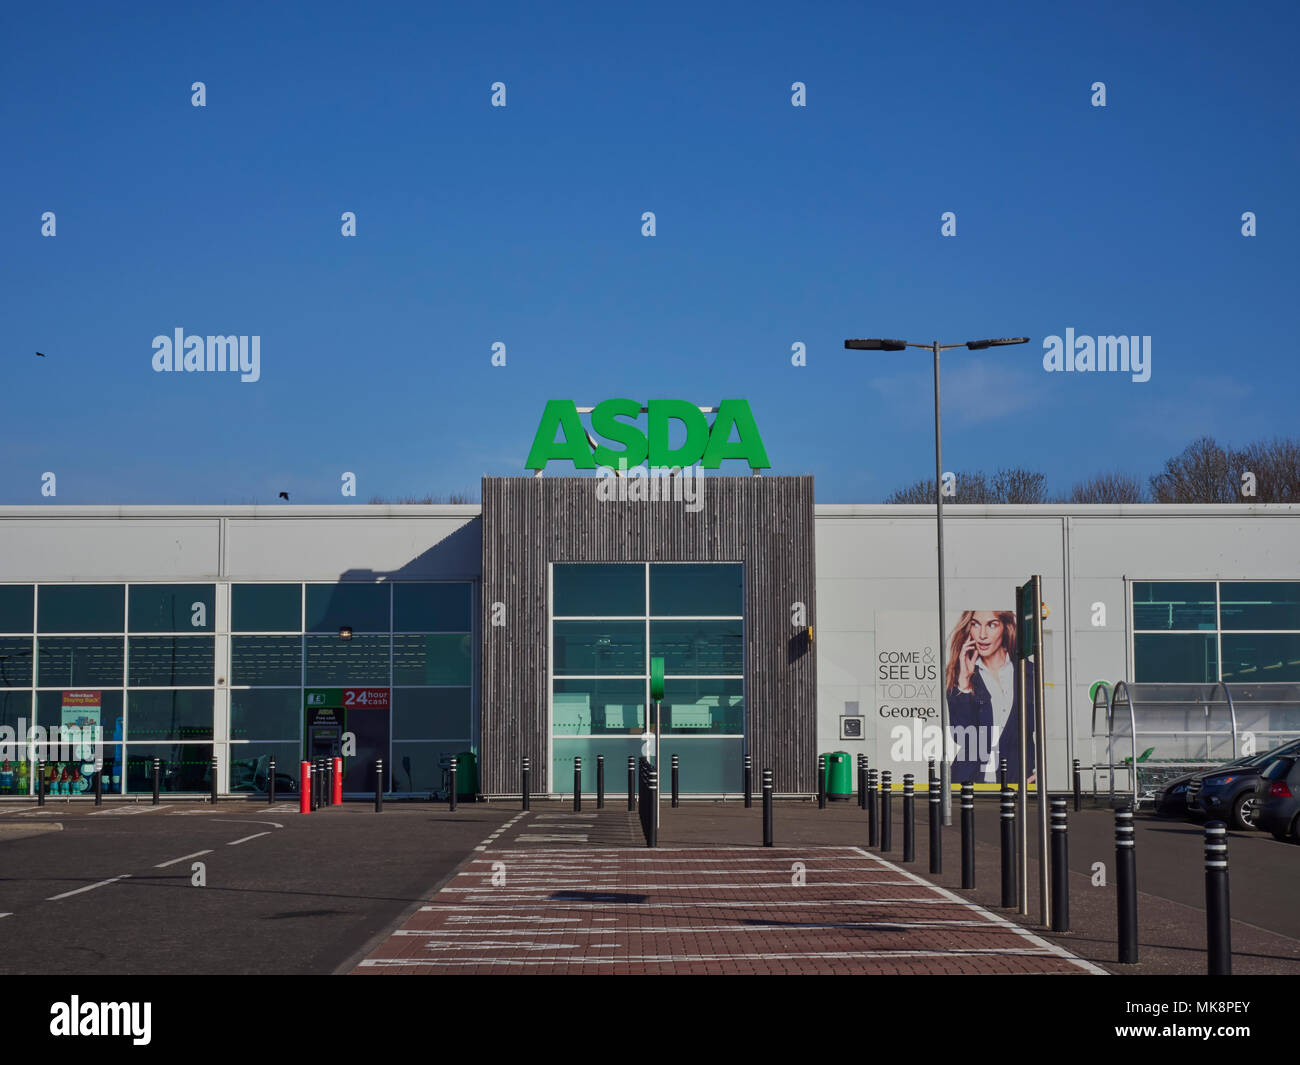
(839, 776)
(466, 775)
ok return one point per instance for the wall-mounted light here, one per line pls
(345, 632)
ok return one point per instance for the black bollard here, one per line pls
(326, 781)
(886, 812)
(862, 782)
(631, 783)
(40, 782)
(270, 781)
(157, 777)
(99, 784)
(1008, 822)
(452, 769)
(1218, 931)
(379, 785)
(936, 821)
(313, 771)
(600, 782)
(1060, 868)
(767, 807)
(821, 782)
(214, 780)
(1126, 885)
(577, 783)
(1002, 775)
(873, 837)
(968, 835)
(675, 768)
(524, 773)
(909, 818)
(1078, 786)
(749, 782)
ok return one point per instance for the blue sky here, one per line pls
(775, 225)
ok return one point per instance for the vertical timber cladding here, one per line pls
(764, 522)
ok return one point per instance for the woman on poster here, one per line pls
(983, 699)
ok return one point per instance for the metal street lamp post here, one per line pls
(945, 770)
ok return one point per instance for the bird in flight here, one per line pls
(284, 495)
(41, 354)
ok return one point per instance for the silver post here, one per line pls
(1040, 761)
(945, 767)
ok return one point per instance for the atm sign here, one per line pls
(349, 698)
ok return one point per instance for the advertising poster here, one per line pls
(979, 685)
(983, 701)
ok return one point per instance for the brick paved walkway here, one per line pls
(810, 909)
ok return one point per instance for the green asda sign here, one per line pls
(614, 421)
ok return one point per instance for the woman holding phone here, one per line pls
(983, 700)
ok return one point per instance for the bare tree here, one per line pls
(1273, 467)
(1201, 473)
(1108, 488)
(1014, 485)
(452, 497)
(1019, 485)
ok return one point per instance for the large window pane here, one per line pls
(16, 662)
(1191, 658)
(171, 608)
(169, 715)
(707, 647)
(706, 765)
(435, 658)
(266, 714)
(52, 709)
(432, 714)
(431, 607)
(1168, 605)
(80, 607)
(79, 661)
(169, 661)
(599, 590)
(695, 707)
(1261, 657)
(16, 607)
(599, 647)
(695, 590)
(616, 749)
(185, 767)
(266, 660)
(358, 661)
(16, 710)
(266, 607)
(1260, 605)
(250, 762)
(363, 607)
(418, 767)
(598, 706)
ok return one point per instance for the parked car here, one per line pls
(1228, 792)
(1171, 799)
(1278, 798)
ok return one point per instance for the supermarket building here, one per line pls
(523, 627)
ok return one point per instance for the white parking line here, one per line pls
(236, 842)
(186, 858)
(88, 887)
(232, 821)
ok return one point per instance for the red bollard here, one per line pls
(304, 789)
(338, 782)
